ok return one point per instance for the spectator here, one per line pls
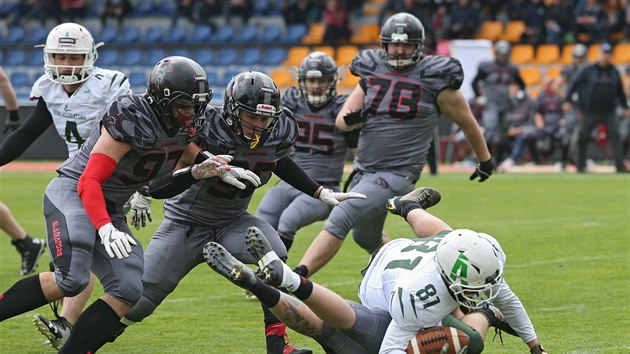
(515, 10)
(206, 9)
(298, 11)
(441, 23)
(241, 8)
(613, 19)
(73, 9)
(534, 22)
(16, 11)
(550, 122)
(422, 11)
(589, 18)
(600, 91)
(557, 21)
(336, 22)
(43, 9)
(520, 127)
(464, 19)
(185, 9)
(115, 8)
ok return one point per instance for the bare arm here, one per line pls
(106, 145)
(354, 102)
(7, 91)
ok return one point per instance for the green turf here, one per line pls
(567, 239)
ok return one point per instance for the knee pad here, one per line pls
(366, 244)
(73, 288)
(127, 290)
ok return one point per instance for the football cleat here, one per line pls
(270, 267)
(30, 254)
(289, 349)
(496, 319)
(57, 331)
(423, 197)
(219, 259)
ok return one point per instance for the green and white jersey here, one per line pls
(74, 115)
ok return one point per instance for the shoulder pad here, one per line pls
(365, 62)
(291, 98)
(36, 90)
(446, 71)
(127, 120)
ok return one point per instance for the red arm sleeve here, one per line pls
(99, 168)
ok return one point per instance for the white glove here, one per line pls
(140, 210)
(211, 167)
(482, 100)
(116, 242)
(331, 197)
(235, 173)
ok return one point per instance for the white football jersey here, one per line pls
(74, 115)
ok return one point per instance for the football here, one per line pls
(432, 340)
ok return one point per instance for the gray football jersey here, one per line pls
(397, 134)
(321, 148)
(497, 79)
(129, 119)
(214, 202)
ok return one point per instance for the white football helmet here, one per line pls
(471, 267)
(69, 38)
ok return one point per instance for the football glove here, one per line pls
(233, 175)
(333, 198)
(12, 122)
(140, 206)
(211, 167)
(117, 243)
(356, 117)
(483, 171)
(538, 350)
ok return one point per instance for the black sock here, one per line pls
(97, 325)
(268, 295)
(301, 270)
(23, 244)
(288, 241)
(23, 296)
(275, 332)
(304, 290)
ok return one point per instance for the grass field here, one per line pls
(567, 238)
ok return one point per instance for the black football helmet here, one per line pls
(315, 66)
(402, 27)
(174, 79)
(256, 93)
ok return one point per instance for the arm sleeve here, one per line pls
(519, 80)
(34, 126)
(514, 312)
(171, 184)
(291, 173)
(98, 169)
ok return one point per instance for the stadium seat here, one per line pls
(129, 35)
(513, 31)
(20, 79)
(201, 34)
(553, 72)
(15, 35)
(107, 58)
(547, 54)
(37, 35)
(153, 56)
(249, 56)
(225, 57)
(142, 8)
(212, 77)
(282, 77)
(222, 34)
(490, 30)
(533, 91)
(138, 79)
(345, 54)
(36, 58)
(296, 55)
(315, 34)
(274, 56)
(165, 8)
(367, 33)
(217, 97)
(531, 76)
(621, 54)
(326, 49)
(247, 34)
(295, 33)
(270, 34)
(130, 57)
(227, 76)
(177, 34)
(108, 35)
(154, 34)
(522, 54)
(15, 57)
(567, 54)
(203, 56)
(349, 80)
(182, 52)
(261, 7)
(593, 52)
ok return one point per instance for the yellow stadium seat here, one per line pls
(491, 30)
(621, 54)
(547, 54)
(522, 54)
(367, 33)
(349, 80)
(567, 54)
(533, 91)
(296, 55)
(553, 72)
(345, 54)
(315, 34)
(531, 76)
(593, 52)
(283, 77)
(326, 49)
(513, 31)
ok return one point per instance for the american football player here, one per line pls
(409, 285)
(137, 138)
(397, 104)
(69, 96)
(320, 149)
(259, 133)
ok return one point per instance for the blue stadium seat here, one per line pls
(177, 34)
(222, 34)
(227, 76)
(138, 79)
(200, 34)
(271, 34)
(20, 79)
(274, 56)
(108, 35)
(36, 58)
(182, 52)
(165, 8)
(129, 35)
(131, 57)
(213, 78)
(295, 33)
(15, 35)
(37, 35)
(15, 57)
(249, 56)
(153, 56)
(23, 96)
(261, 7)
(107, 58)
(217, 97)
(142, 8)
(203, 56)
(154, 34)
(247, 34)
(225, 57)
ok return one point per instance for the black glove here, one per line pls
(355, 117)
(483, 171)
(12, 122)
(538, 350)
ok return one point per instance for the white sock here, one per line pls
(266, 259)
(290, 280)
